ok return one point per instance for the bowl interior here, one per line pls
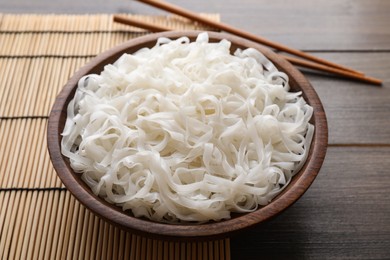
(114, 214)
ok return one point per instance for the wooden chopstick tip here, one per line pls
(297, 61)
(374, 81)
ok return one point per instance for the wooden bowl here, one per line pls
(114, 214)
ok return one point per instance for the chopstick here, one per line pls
(144, 25)
(320, 67)
(300, 62)
(230, 29)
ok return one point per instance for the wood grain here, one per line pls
(306, 25)
(316, 63)
(224, 27)
(357, 113)
(344, 215)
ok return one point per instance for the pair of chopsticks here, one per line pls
(305, 60)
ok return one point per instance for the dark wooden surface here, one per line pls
(346, 212)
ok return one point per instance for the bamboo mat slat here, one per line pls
(90, 23)
(34, 225)
(29, 92)
(24, 160)
(39, 219)
(30, 35)
(32, 41)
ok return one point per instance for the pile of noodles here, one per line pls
(186, 131)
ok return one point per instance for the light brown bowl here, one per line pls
(114, 214)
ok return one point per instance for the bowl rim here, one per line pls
(208, 230)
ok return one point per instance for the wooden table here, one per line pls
(346, 212)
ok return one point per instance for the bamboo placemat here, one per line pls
(39, 219)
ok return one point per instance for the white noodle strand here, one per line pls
(185, 131)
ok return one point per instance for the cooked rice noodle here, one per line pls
(186, 131)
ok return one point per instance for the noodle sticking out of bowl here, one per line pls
(187, 132)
